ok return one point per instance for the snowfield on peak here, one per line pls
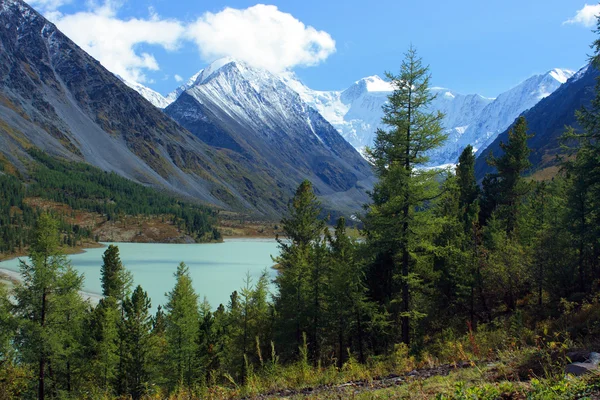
(258, 116)
(157, 99)
(469, 119)
(356, 112)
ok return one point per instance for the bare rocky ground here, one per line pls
(133, 229)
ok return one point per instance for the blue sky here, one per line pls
(482, 47)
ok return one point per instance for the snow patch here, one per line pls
(561, 75)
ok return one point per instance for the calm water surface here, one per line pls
(216, 269)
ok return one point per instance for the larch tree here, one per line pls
(47, 282)
(583, 189)
(182, 324)
(393, 218)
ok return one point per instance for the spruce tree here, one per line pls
(467, 184)
(108, 347)
(136, 332)
(403, 189)
(510, 168)
(105, 341)
(116, 280)
(469, 211)
(296, 279)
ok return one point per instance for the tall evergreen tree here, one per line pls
(105, 341)
(583, 191)
(402, 189)
(137, 337)
(181, 328)
(469, 211)
(510, 168)
(116, 280)
(47, 282)
(302, 230)
(349, 311)
(467, 185)
(107, 347)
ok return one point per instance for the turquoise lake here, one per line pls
(217, 269)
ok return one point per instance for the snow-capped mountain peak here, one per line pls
(561, 75)
(157, 99)
(255, 113)
(212, 68)
(498, 116)
(199, 77)
(375, 83)
(356, 112)
(469, 119)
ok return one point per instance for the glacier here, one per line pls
(356, 112)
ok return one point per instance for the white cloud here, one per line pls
(114, 42)
(587, 16)
(262, 36)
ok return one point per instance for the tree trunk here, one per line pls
(361, 354)
(406, 212)
(42, 366)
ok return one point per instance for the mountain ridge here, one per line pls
(56, 97)
(255, 114)
(470, 119)
(547, 120)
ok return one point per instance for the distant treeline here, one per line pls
(83, 187)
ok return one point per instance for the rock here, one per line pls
(578, 356)
(594, 358)
(580, 368)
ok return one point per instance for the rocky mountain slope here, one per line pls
(547, 120)
(252, 112)
(56, 97)
(155, 98)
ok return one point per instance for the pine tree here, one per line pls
(402, 189)
(181, 328)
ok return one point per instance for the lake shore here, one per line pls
(218, 268)
(12, 278)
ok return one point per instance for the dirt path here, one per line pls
(366, 385)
